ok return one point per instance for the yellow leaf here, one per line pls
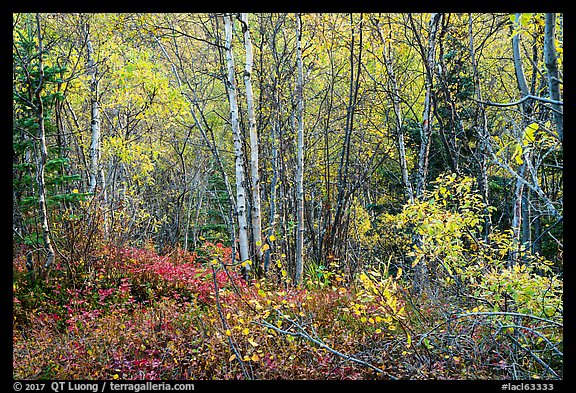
(272, 238)
(518, 155)
(265, 247)
(115, 376)
(254, 344)
(399, 273)
(232, 358)
(246, 331)
(228, 332)
(255, 357)
(529, 132)
(75, 191)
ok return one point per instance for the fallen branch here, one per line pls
(302, 333)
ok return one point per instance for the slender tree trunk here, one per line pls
(300, 159)
(552, 67)
(254, 160)
(92, 70)
(238, 151)
(42, 156)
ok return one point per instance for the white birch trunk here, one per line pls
(256, 205)
(238, 152)
(95, 115)
(300, 159)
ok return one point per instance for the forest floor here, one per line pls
(135, 314)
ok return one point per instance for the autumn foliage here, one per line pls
(136, 314)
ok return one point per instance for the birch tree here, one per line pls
(92, 71)
(254, 161)
(300, 157)
(238, 148)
